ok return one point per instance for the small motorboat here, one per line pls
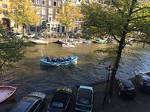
(39, 41)
(7, 93)
(87, 41)
(69, 45)
(60, 42)
(100, 41)
(47, 61)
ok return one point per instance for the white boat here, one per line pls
(69, 45)
(87, 41)
(39, 41)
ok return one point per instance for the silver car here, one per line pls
(84, 100)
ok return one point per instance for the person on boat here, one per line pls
(48, 59)
(59, 59)
(54, 59)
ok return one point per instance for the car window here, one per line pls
(22, 106)
(57, 104)
(35, 106)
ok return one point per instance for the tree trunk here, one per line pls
(23, 29)
(67, 32)
(116, 65)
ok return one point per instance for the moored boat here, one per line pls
(39, 41)
(100, 41)
(87, 41)
(47, 61)
(60, 42)
(69, 45)
(7, 93)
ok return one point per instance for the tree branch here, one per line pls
(3, 64)
(140, 17)
(140, 9)
(117, 7)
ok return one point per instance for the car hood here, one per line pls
(54, 110)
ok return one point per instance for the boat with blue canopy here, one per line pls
(61, 61)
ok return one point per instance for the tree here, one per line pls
(69, 14)
(119, 18)
(23, 13)
(11, 49)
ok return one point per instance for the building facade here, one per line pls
(47, 10)
(4, 10)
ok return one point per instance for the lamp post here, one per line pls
(106, 97)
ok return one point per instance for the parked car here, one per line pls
(33, 102)
(126, 88)
(84, 100)
(143, 82)
(62, 101)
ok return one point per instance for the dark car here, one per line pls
(33, 102)
(126, 89)
(62, 101)
(143, 82)
(84, 100)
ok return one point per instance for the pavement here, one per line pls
(140, 104)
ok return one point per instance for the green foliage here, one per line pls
(11, 49)
(121, 16)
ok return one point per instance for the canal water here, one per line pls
(29, 76)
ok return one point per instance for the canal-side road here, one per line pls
(140, 104)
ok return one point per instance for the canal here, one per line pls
(28, 76)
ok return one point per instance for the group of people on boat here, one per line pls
(59, 59)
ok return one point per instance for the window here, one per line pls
(38, 2)
(57, 11)
(43, 2)
(49, 19)
(4, 5)
(50, 2)
(55, 4)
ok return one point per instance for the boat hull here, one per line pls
(7, 93)
(38, 41)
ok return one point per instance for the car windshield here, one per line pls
(83, 107)
(84, 96)
(60, 100)
(57, 104)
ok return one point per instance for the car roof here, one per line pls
(127, 83)
(86, 87)
(145, 77)
(25, 104)
(38, 95)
